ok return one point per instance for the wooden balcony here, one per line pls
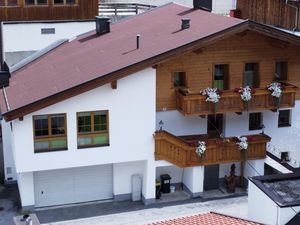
(181, 151)
(230, 101)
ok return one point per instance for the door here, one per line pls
(65, 186)
(215, 125)
(211, 177)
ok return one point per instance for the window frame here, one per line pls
(6, 4)
(93, 133)
(226, 72)
(50, 137)
(64, 3)
(256, 79)
(286, 124)
(261, 121)
(284, 75)
(36, 4)
(184, 78)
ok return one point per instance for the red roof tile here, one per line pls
(90, 56)
(206, 219)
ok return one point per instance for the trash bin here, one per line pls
(165, 183)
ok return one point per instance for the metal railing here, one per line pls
(276, 152)
(122, 9)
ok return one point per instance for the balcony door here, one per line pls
(221, 72)
(214, 125)
(251, 75)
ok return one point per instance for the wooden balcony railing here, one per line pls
(230, 101)
(181, 151)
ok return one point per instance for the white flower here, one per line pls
(212, 95)
(200, 150)
(276, 89)
(246, 94)
(243, 143)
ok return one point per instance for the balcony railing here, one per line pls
(181, 151)
(230, 101)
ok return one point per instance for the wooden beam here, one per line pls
(114, 84)
(199, 51)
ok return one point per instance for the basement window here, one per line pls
(92, 129)
(36, 2)
(8, 3)
(255, 121)
(179, 79)
(49, 133)
(284, 118)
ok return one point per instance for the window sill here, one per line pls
(284, 125)
(92, 146)
(51, 150)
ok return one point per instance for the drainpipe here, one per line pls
(1, 47)
(296, 16)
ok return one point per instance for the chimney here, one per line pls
(102, 25)
(203, 4)
(4, 70)
(185, 23)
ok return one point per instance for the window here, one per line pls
(179, 79)
(221, 77)
(281, 70)
(49, 133)
(48, 31)
(284, 118)
(64, 2)
(92, 128)
(8, 3)
(251, 75)
(255, 121)
(36, 2)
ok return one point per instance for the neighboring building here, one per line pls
(275, 199)
(281, 13)
(83, 113)
(207, 219)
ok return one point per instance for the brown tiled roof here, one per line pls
(206, 219)
(90, 61)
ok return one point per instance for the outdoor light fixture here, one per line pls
(263, 128)
(161, 124)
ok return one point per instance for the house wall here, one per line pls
(82, 10)
(33, 40)
(262, 209)
(235, 51)
(129, 132)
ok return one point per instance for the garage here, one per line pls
(65, 186)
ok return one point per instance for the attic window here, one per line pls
(8, 3)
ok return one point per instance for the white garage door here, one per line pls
(57, 187)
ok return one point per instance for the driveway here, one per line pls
(9, 203)
(232, 206)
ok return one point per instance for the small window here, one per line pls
(8, 3)
(49, 133)
(48, 31)
(36, 2)
(64, 2)
(221, 76)
(255, 121)
(92, 128)
(251, 75)
(281, 70)
(179, 79)
(284, 119)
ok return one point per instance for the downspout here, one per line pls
(1, 47)
(296, 16)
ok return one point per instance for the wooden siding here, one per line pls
(178, 152)
(85, 9)
(235, 51)
(273, 12)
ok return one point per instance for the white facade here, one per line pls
(32, 38)
(264, 210)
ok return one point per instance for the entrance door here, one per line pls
(215, 125)
(211, 177)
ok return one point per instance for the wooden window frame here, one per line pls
(258, 73)
(93, 133)
(226, 75)
(173, 78)
(64, 3)
(288, 124)
(6, 4)
(50, 137)
(36, 4)
(286, 76)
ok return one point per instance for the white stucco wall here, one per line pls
(8, 154)
(26, 188)
(193, 179)
(131, 127)
(33, 40)
(175, 172)
(262, 209)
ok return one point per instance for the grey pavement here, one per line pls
(9, 204)
(138, 214)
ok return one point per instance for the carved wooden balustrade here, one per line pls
(181, 151)
(230, 101)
